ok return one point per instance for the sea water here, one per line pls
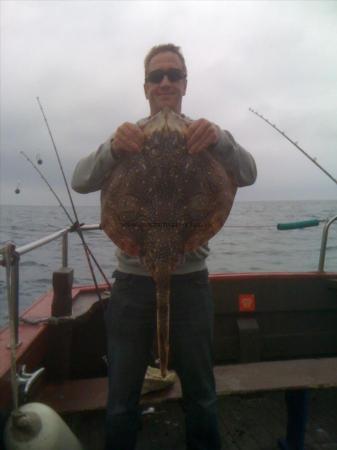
(249, 242)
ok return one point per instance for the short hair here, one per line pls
(161, 49)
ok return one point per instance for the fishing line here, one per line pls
(249, 226)
(76, 223)
(49, 186)
(313, 160)
(282, 226)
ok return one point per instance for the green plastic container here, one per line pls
(296, 225)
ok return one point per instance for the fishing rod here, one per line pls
(49, 186)
(76, 224)
(295, 143)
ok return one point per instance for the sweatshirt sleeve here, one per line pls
(230, 154)
(91, 171)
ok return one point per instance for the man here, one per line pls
(130, 316)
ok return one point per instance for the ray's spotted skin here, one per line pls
(163, 202)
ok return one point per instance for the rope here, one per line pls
(52, 320)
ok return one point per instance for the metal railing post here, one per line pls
(65, 250)
(324, 242)
(11, 259)
(14, 293)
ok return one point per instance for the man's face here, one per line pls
(166, 92)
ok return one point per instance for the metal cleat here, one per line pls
(26, 381)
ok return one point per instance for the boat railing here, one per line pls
(64, 232)
(10, 259)
(324, 242)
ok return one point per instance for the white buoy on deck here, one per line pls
(36, 426)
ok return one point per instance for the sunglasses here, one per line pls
(156, 76)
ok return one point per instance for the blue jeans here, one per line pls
(130, 323)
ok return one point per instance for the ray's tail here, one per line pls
(163, 322)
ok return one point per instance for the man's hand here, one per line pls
(201, 134)
(128, 137)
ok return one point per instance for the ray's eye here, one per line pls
(198, 207)
(128, 209)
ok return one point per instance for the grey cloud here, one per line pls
(85, 61)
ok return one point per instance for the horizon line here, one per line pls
(237, 201)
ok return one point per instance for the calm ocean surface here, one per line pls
(249, 242)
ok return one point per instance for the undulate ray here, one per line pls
(163, 202)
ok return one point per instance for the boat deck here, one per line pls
(247, 422)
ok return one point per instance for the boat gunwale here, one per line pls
(33, 335)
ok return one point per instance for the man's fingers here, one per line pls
(195, 131)
(134, 132)
(200, 135)
(201, 144)
(203, 135)
(128, 137)
(122, 143)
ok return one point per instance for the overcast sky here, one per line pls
(84, 59)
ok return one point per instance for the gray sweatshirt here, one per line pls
(91, 172)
